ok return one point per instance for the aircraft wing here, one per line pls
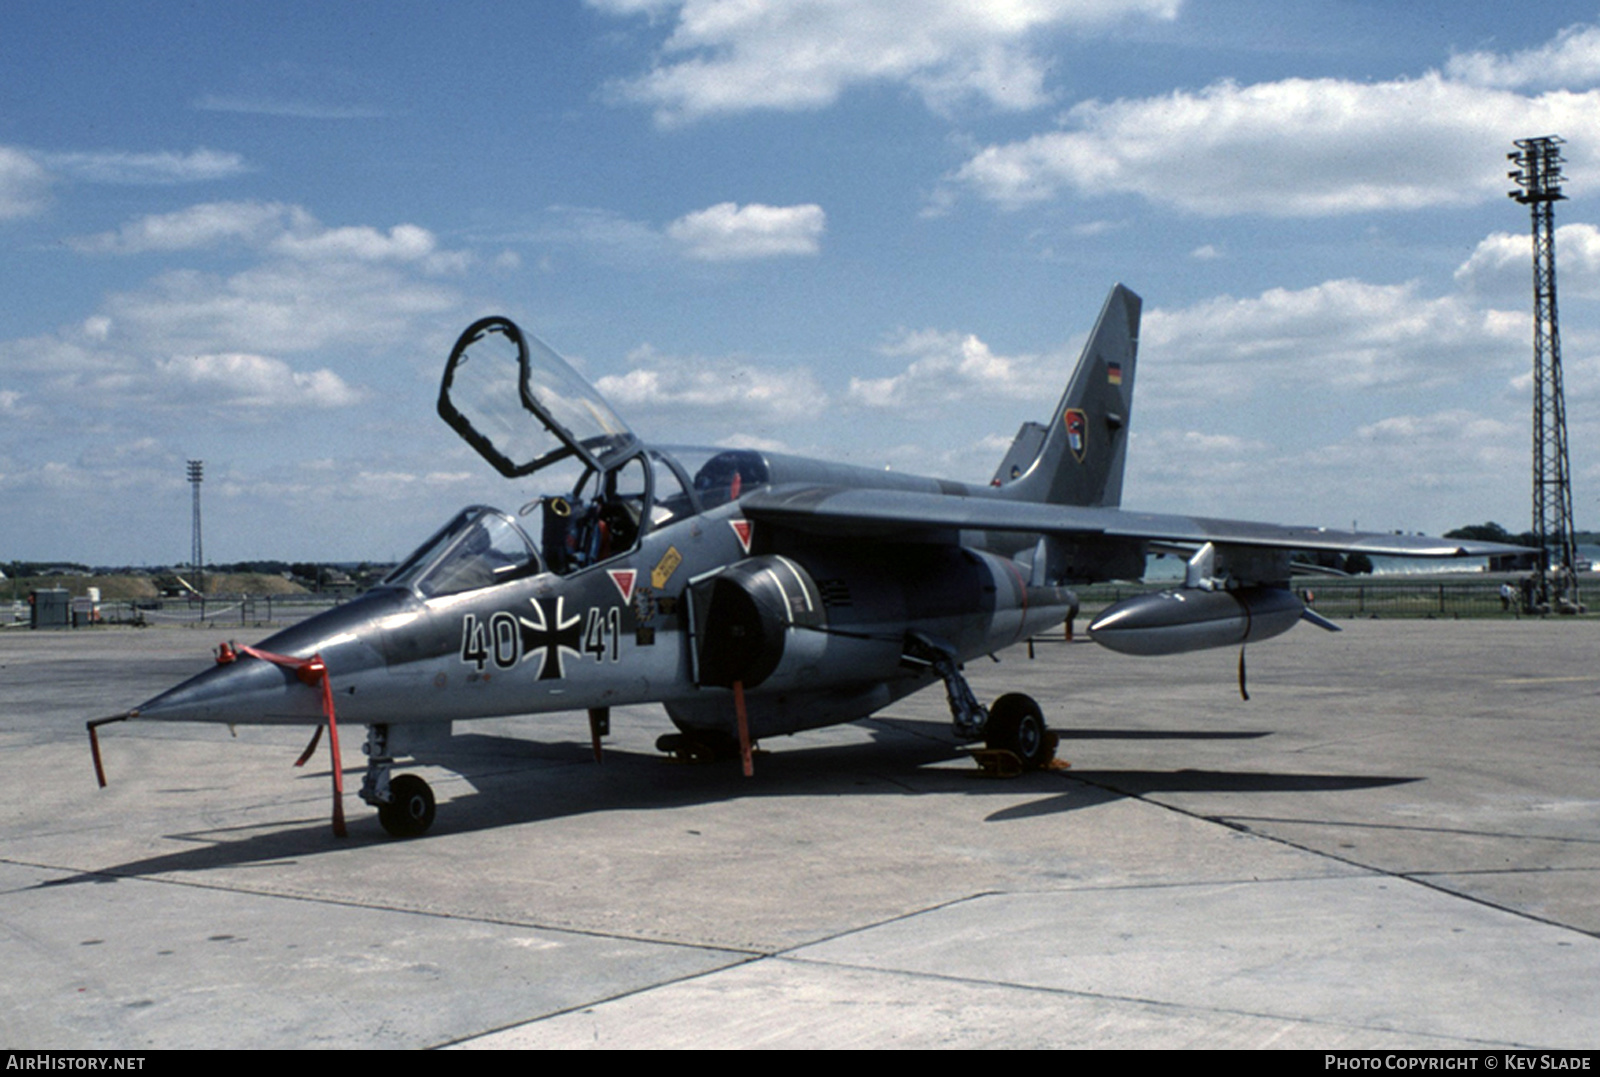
(880, 513)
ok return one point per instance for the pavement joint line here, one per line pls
(787, 953)
(644, 989)
(78, 874)
(791, 955)
(1504, 871)
(1180, 1007)
(1415, 829)
(1415, 879)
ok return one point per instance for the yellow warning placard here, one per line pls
(665, 567)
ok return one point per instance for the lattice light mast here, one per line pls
(197, 561)
(1538, 179)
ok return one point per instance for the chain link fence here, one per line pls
(246, 611)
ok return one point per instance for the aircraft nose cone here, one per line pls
(254, 690)
(245, 690)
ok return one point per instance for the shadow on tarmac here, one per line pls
(518, 781)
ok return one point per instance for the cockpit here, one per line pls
(524, 409)
(609, 511)
(605, 515)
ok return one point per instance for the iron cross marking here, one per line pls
(548, 634)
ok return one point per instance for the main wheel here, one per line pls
(1016, 725)
(410, 813)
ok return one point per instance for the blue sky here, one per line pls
(870, 231)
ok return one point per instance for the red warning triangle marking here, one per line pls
(742, 529)
(623, 578)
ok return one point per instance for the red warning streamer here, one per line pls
(744, 729)
(314, 673)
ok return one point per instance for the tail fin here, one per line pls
(1085, 446)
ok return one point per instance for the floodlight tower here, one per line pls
(197, 561)
(1538, 179)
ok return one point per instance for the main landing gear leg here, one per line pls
(599, 727)
(405, 803)
(968, 715)
(1015, 724)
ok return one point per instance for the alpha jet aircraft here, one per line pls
(751, 593)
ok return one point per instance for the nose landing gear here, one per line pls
(405, 802)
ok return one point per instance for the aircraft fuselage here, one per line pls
(622, 631)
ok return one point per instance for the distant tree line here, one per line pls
(1493, 532)
(364, 573)
(44, 568)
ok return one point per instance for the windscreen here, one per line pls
(480, 547)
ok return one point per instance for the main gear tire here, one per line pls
(1016, 725)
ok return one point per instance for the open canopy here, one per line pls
(523, 407)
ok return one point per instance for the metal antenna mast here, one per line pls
(197, 561)
(1538, 179)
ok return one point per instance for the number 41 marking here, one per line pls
(602, 633)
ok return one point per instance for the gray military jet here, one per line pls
(751, 593)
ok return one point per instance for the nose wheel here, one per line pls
(409, 812)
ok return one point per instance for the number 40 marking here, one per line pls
(498, 640)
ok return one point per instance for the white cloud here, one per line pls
(277, 307)
(1169, 463)
(199, 227)
(77, 375)
(1345, 333)
(950, 366)
(295, 331)
(241, 380)
(752, 441)
(113, 166)
(727, 390)
(67, 354)
(729, 56)
(1293, 148)
(1493, 254)
(1430, 471)
(24, 184)
(276, 228)
(286, 107)
(403, 243)
(601, 234)
(1571, 60)
(12, 406)
(724, 232)
(729, 232)
(1502, 264)
(1428, 463)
